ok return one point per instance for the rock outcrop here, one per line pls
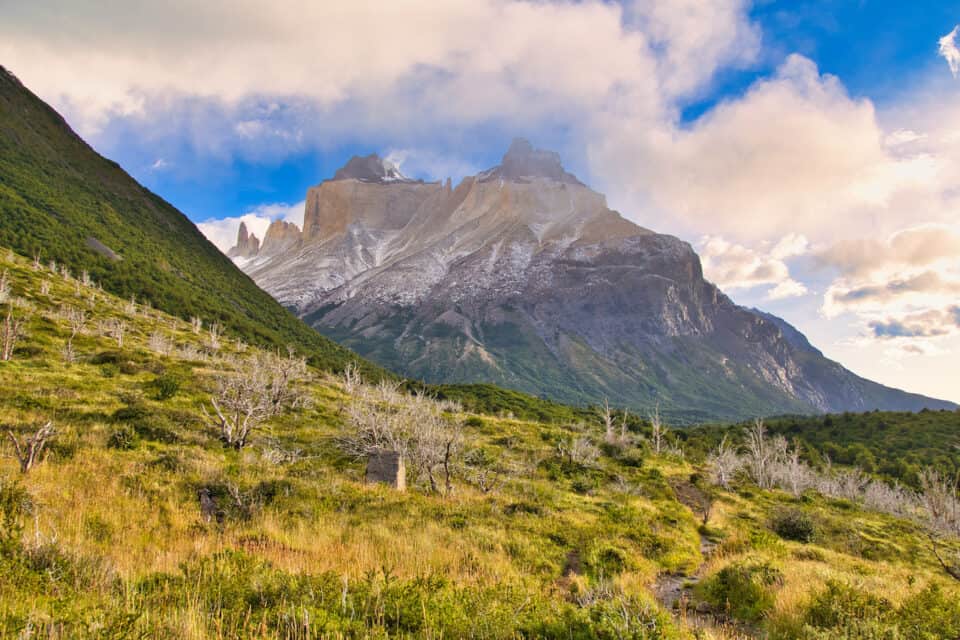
(523, 276)
(248, 245)
(281, 237)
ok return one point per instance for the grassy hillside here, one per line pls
(550, 530)
(62, 201)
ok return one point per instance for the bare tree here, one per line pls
(609, 421)
(117, 329)
(941, 502)
(351, 377)
(45, 287)
(482, 471)
(30, 450)
(759, 454)
(131, 307)
(723, 463)
(258, 390)
(215, 331)
(160, 342)
(283, 373)
(786, 469)
(659, 429)
(4, 287)
(10, 332)
(77, 319)
(36, 262)
(196, 323)
(414, 426)
(580, 451)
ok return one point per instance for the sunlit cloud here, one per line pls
(950, 51)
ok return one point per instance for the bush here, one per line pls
(931, 614)
(156, 429)
(165, 386)
(840, 604)
(15, 503)
(123, 438)
(793, 524)
(607, 561)
(745, 590)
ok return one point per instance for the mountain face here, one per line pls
(522, 276)
(61, 200)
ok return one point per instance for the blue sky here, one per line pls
(807, 149)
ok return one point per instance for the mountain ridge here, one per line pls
(523, 276)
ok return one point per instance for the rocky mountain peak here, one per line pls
(523, 276)
(371, 168)
(523, 161)
(248, 245)
(281, 236)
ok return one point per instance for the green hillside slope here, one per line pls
(62, 201)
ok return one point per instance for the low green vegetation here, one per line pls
(141, 517)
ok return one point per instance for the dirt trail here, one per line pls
(673, 589)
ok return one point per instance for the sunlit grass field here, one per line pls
(104, 537)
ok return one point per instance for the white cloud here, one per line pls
(787, 289)
(919, 246)
(430, 165)
(698, 37)
(467, 59)
(794, 152)
(223, 232)
(733, 266)
(949, 50)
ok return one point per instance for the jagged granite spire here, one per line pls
(247, 244)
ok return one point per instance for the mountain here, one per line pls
(62, 201)
(523, 277)
(248, 245)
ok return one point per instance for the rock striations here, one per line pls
(522, 276)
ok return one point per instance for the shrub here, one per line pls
(631, 457)
(793, 524)
(608, 561)
(747, 591)
(931, 614)
(156, 429)
(840, 604)
(165, 386)
(123, 438)
(15, 503)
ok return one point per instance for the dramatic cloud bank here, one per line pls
(799, 190)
